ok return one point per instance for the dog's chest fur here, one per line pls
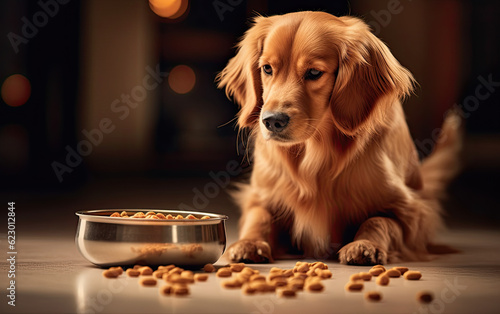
(304, 185)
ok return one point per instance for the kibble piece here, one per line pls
(425, 296)
(314, 286)
(176, 278)
(115, 214)
(275, 274)
(161, 216)
(278, 281)
(179, 217)
(365, 276)
(354, 286)
(209, 268)
(176, 270)
(138, 266)
(237, 267)
(393, 273)
(300, 275)
(190, 216)
(124, 214)
(147, 281)
(159, 273)
(303, 268)
(412, 275)
(248, 289)
(166, 290)
(205, 217)
(132, 272)
(167, 268)
(355, 277)
(311, 272)
(382, 280)
(323, 273)
(111, 273)
(139, 215)
(231, 283)
(401, 269)
(224, 272)
(180, 289)
(262, 286)
(373, 296)
(296, 283)
(200, 277)
(249, 271)
(375, 271)
(118, 269)
(285, 292)
(150, 213)
(288, 273)
(169, 216)
(320, 265)
(146, 271)
(276, 270)
(256, 277)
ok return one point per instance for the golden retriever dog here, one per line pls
(335, 171)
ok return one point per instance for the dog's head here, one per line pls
(291, 72)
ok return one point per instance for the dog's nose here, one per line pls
(275, 121)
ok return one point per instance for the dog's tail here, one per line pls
(443, 163)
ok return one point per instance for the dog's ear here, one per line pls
(241, 76)
(369, 79)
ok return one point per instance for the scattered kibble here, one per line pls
(209, 268)
(354, 286)
(373, 296)
(147, 281)
(224, 272)
(412, 275)
(382, 280)
(425, 296)
(111, 273)
(133, 272)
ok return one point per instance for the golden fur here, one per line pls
(345, 170)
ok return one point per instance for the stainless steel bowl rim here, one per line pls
(92, 215)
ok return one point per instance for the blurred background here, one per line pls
(112, 103)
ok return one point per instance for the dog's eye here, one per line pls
(313, 74)
(267, 69)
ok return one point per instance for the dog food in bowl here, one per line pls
(128, 237)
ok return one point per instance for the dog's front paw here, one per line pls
(362, 252)
(250, 251)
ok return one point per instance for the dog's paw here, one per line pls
(362, 252)
(250, 251)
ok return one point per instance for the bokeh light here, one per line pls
(181, 79)
(171, 9)
(16, 90)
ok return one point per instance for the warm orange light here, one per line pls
(16, 90)
(171, 9)
(181, 79)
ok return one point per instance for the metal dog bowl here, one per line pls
(116, 241)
